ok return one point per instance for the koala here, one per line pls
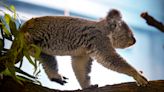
(83, 40)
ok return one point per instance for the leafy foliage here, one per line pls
(9, 28)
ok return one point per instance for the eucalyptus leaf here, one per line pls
(5, 30)
(21, 63)
(7, 18)
(11, 68)
(29, 58)
(8, 37)
(4, 5)
(12, 8)
(6, 72)
(18, 70)
(13, 28)
(0, 24)
(36, 55)
(22, 78)
(9, 28)
(37, 51)
(12, 71)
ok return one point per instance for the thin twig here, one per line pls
(152, 21)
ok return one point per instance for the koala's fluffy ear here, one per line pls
(113, 14)
(113, 18)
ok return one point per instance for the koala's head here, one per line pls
(120, 34)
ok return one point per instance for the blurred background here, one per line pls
(146, 55)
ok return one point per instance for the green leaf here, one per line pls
(7, 18)
(6, 31)
(37, 51)
(24, 73)
(13, 28)
(11, 71)
(11, 68)
(0, 24)
(4, 5)
(22, 78)
(5, 25)
(12, 8)
(21, 63)
(29, 58)
(6, 72)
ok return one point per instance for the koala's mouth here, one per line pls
(132, 42)
(125, 45)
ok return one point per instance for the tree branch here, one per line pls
(152, 21)
(7, 84)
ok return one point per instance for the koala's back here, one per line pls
(59, 35)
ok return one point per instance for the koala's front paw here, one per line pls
(61, 80)
(141, 80)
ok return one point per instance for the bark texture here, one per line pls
(7, 84)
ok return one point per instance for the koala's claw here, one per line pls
(65, 78)
(94, 86)
(141, 80)
(60, 81)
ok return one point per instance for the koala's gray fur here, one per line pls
(83, 40)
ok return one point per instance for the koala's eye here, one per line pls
(113, 26)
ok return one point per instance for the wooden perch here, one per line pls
(7, 84)
(152, 21)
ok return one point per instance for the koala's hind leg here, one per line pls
(82, 66)
(51, 68)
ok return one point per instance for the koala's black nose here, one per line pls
(134, 40)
